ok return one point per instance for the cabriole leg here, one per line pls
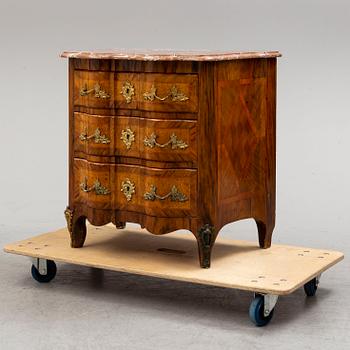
(76, 226)
(265, 233)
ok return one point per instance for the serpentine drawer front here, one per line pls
(149, 92)
(172, 140)
(153, 139)
(169, 193)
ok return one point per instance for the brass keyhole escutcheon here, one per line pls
(128, 91)
(128, 188)
(128, 137)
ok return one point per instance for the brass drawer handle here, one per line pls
(174, 195)
(128, 188)
(98, 138)
(97, 187)
(174, 94)
(99, 93)
(173, 141)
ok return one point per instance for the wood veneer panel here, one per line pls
(207, 139)
(245, 128)
(112, 176)
(185, 181)
(185, 84)
(228, 123)
(86, 126)
(96, 135)
(185, 147)
(88, 80)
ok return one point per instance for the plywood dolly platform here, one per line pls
(269, 273)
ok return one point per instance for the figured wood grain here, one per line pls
(185, 131)
(236, 264)
(246, 113)
(228, 123)
(112, 83)
(241, 128)
(112, 127)
(70, 132)
(112, 176)
(125, 66)
(89, 80)
(91, 172)
(120, 80)
(271, 144)
(87, 125)
(207, 154)
(168, 164)
(186, 84)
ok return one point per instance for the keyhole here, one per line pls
(127, 91)
(128, 136)
(128, 188)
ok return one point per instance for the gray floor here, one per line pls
(86, 308)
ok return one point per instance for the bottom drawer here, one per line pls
(156, 192)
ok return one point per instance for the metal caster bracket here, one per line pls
(270, 301)
(40, 264)
(318, 278)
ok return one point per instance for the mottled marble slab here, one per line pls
(169, 55)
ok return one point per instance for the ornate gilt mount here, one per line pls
(128, 91)
(128, 137)
(99, 93)
(205, 236)
(174, 94)
(97, 187)
(96, 136)
(174, 195)
(68, 214)
(173, 141)
(128, 188)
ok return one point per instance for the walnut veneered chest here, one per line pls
(172, 141)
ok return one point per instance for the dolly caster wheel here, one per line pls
(310, 287)
(50, 270)
(261, 309)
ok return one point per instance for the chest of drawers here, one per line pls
(172, 141)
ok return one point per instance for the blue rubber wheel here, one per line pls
(256, 312)
(310, 287)
(51, 272)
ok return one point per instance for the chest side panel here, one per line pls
(242, 95)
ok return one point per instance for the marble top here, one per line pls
(169, 55)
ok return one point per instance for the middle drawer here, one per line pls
(151, 139)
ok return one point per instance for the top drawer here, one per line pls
(145, 91)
